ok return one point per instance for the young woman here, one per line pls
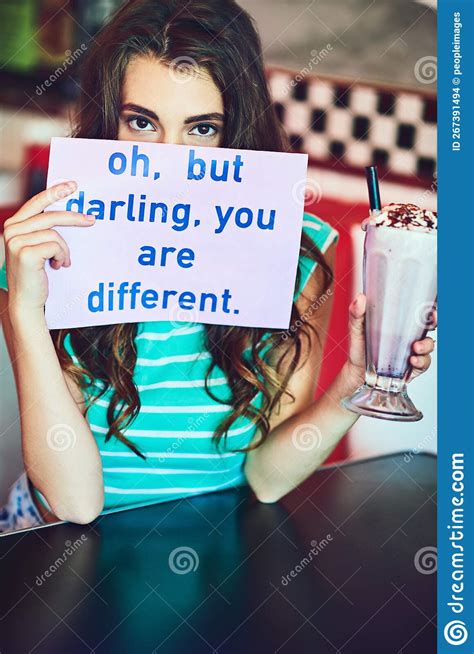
(125, 415)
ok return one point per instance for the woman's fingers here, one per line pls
(47, 221)
(425, 346)
(420, 360)
(357, 310)
(356, 317)
(39, 202)
(17, 243)
(357, 330)
(33, 257)
(420, 363)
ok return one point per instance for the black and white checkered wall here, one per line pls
(352, 125)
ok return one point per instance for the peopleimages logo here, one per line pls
(455, 632)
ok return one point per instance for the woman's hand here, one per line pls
(30, 241)
(420, 359)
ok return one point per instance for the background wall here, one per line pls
(379, 40)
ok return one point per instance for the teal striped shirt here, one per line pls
(177, 418)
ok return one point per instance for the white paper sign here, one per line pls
(182, 233)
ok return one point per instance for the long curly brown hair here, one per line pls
(221, 38)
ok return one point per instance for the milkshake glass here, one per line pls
(400, 254)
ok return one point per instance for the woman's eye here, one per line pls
(204, 130)
(140, 124)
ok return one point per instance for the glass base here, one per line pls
(379, 403)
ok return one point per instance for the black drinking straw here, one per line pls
(374, 191)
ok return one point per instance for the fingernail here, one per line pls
(89, 218)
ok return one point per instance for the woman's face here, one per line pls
(164, 104)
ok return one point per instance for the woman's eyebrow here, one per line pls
(139, 110)
(213, 116)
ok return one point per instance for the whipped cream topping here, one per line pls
(406, 216)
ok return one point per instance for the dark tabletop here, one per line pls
(344, 564)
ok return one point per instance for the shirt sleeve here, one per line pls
(3, 269)
(322, 235)
(42, 499)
